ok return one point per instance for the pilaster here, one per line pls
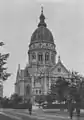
(44, 58)
(45, 85)
(49, 81)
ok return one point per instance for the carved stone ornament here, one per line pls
(42, 45)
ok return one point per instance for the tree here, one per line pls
(76, 86)
(3, 60)
(49, 98)
(73, 87)
(5, 102)
(60, 89)
(15, 98)
(40, 99)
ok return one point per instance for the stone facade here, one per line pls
(42, 69)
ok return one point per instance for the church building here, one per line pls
(42, 69)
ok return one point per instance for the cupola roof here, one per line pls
(42, 33)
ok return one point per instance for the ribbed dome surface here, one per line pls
(42, 34)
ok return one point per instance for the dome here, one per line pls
(42, 33)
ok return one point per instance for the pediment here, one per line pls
(59, 69)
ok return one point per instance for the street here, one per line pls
(10, 114)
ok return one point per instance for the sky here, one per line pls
(19, 19)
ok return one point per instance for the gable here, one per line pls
(59, 70)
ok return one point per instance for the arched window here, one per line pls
(52, 58)
(36, 91)
(40, 57)
(46, 56)
(39, 91)
(33, 56)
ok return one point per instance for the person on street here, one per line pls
(70, 108)
(30, 107)
(78, 113)
(78, 109)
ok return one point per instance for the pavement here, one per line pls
(37, 114)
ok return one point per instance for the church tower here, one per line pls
(42, 48)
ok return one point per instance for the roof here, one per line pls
(22, 74)
(60, 64)
(42, 33)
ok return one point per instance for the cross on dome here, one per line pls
(41, 9)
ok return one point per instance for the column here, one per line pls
(45, 85)
(49, 81)
(44, 58)
(32, 80)
(36, 57)
(50, 57)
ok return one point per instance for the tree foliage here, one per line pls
(4, 101)
(64, 88)
(3, 61)
(15, 98)
(60, 89)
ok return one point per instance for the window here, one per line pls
(33, 56)
(40, 57)
(52, 58)
(36, 91)
(47, 56)
(59, 69)
(46, 44)
(39, 91)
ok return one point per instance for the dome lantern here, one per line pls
(42, 19)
